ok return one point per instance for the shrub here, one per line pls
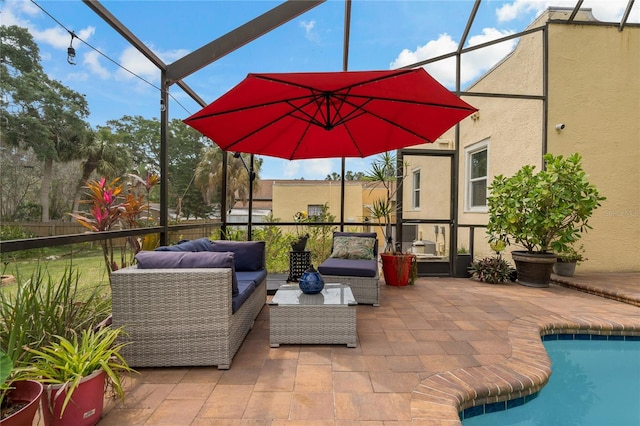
(494, 270)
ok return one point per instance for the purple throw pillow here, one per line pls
(180, 259)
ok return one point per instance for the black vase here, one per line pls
(299, 245)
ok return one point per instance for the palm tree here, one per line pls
(208, 177)
(102, 155)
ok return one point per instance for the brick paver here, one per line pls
(426, 352)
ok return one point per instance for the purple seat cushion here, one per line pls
(200, 259)
(246, 288)
(349, 267)
(201, 244)
(249, 255)
(255, 276)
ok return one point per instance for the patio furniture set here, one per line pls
(193, 303)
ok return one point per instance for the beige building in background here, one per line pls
(593, 97)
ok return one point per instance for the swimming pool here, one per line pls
(595, 381)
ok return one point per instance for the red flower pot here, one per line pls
(397, 268)
(85, 407)
(25, 391)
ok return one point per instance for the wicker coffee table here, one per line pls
(328, 317)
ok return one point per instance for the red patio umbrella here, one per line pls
(330, 114)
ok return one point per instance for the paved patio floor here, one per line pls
(426, 349)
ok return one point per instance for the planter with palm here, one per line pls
(399, 268)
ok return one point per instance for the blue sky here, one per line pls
(384, 35)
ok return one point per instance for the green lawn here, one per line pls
(89, 265)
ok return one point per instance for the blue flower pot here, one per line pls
(311, 281)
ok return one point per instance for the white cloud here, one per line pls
(92, 60)
(311, 169)
(607, 11)
(290, 171)
(135, 62)
(518, 8)
(310, 32)
(473, 63)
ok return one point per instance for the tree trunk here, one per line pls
(45, 189)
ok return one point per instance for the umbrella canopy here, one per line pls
(330, 114)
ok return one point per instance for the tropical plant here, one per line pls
(383, 210)
(493, 269)
(542, 211)
(67, 361)
(41, 308)
(112, 207)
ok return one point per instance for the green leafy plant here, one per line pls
(383, 172)
(6, 370)
(493, 269)
(571, 254)
(542, 211)
(41, 308)
(112, 207)
(67, 361)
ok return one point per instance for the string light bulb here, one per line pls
(71, 52)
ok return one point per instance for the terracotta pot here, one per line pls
(26, 391)
(85, 407)
(397, 268)
(534, 269)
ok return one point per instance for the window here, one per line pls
(314, 210)
(476, 189)
(415, 203)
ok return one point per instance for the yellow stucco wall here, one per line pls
(594, 89)
(290, 197)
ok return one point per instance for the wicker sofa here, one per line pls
(360, 274)
(177, 313)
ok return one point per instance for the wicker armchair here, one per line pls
(181, 317)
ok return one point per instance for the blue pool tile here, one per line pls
(473, 411)
(515, 402)
(565, 336)
(531, 397)
(582, 337)
(616, 337)
(495, 407)
(549, 337)
(632, 338)
(599, 337)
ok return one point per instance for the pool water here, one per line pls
(593, 383)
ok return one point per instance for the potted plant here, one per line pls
(399, 268)
(18, 397)
(301, 236)
(74, 372)
(567, 260)
(544, 212)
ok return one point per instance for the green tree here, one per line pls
(208, 177)
(103, 155)
(349, 175)
(37, 112)
(141, 137)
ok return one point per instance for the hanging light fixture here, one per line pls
(71, 52)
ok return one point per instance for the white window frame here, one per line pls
(469, 152)
(415, 191)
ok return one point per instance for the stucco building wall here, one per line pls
(594, 89)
